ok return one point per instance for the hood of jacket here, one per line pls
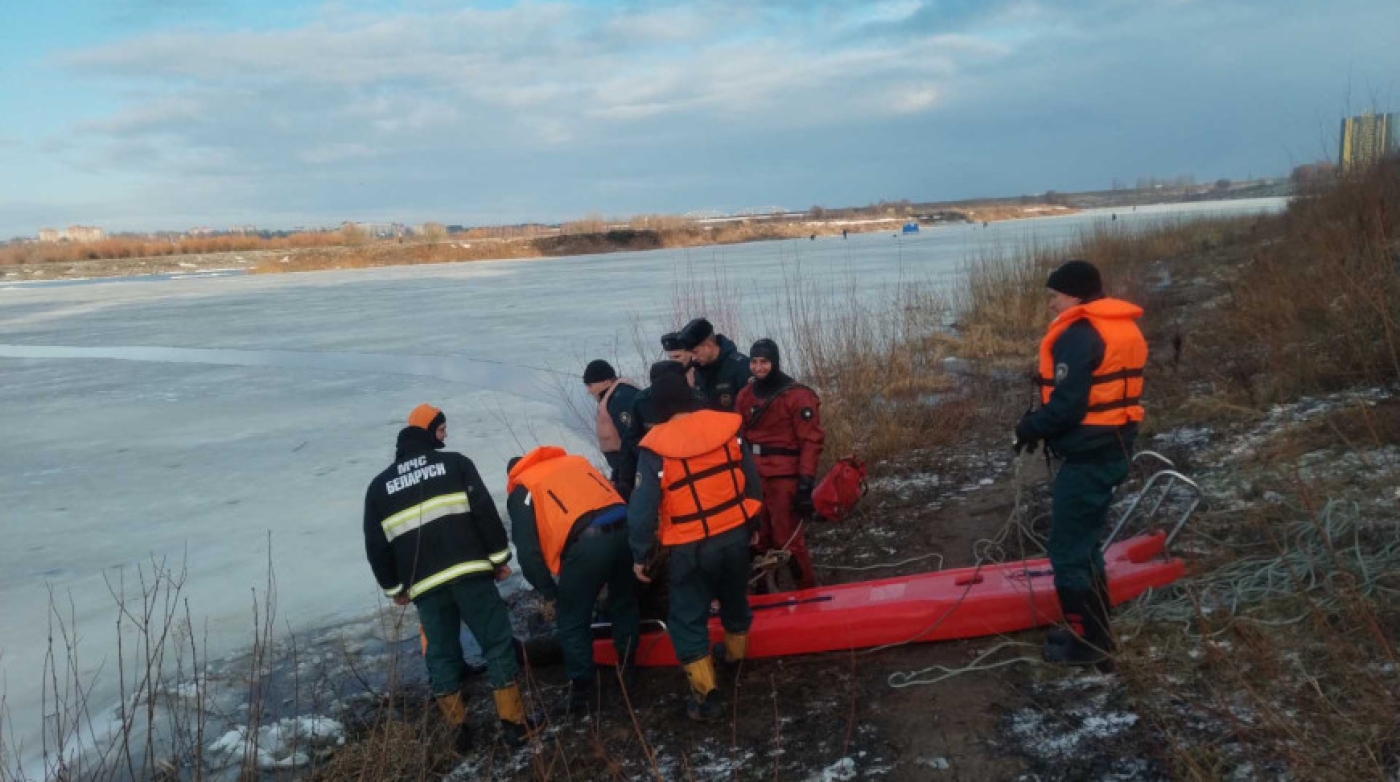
(415, 440)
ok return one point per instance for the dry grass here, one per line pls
(156, 248)
(1243, 314)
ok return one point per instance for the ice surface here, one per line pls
(187, 419)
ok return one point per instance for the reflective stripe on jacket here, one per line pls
(702, 477)
(1116, 391)
(563, 488)
(429, 519)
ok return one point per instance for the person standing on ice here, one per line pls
(570, 524)
(1090, 379)
(698, 496)
(783, 432)
(433, 537)
(615, 397)
(721, 371)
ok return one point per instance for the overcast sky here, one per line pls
(145, 114)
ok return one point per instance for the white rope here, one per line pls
(901, 679)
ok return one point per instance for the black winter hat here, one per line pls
(695, 332)
(597, 371)
(1076, 278)
(672, 394)
(767, 348)
(671, 341)
(666, 367)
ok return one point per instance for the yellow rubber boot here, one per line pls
(510, 707)
(703, 704)
(453, 708)
(736, 647)
(732, 649)
(454, 711)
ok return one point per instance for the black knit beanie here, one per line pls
(672, 394)
(1076, 278)
(597, 371)
(666, 367)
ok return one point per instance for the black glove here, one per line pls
(1025, 438)
(802, 502)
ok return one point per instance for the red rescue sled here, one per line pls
(963, 603)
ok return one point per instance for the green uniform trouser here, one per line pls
(472, 599)
(709, 569)
(589, 564)
(1083, 491)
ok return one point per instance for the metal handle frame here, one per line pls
(1175, 480)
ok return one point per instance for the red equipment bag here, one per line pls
(837, 493)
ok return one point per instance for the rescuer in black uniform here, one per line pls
(433, 537)
(721, 371)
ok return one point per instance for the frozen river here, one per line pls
(186, 419)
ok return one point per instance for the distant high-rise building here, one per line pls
(73, 233)
(85, 233)
(1368, 138)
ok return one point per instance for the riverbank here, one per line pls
(365, 254)
(1267, 384)
(1293, 557)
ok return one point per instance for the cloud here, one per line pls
(554, 107)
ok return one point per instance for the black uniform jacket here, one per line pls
(723, 378)
(429, 519)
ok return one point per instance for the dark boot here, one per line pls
(516, 726)
(707, 710)
(1059, 636)
(583, 697)
(703, 704)
(1088, 640)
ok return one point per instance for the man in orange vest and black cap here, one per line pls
(568, 523)
(1090, 378)
(433, 537)
(697, 492)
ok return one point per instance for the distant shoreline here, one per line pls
(462, 249)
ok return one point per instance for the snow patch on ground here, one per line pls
(905, 486)
(1061, 736)
(286, 743)
(840, 771)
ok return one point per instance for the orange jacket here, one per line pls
(562, 489)
(702, 477)
(1116, 391)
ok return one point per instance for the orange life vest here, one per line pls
(702, 476)
(1115, 396)
(609, 439)
(562, 489)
